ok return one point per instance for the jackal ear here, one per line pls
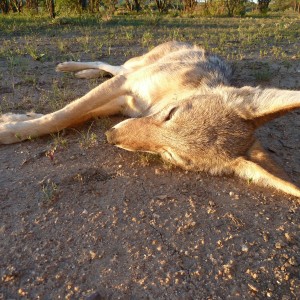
(263, 105)
(259, 168)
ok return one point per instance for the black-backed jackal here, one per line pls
(181, 106)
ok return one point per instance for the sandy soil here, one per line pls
(89, 221)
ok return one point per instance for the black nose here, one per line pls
(111, 136)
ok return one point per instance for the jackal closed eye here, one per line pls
(171, 113)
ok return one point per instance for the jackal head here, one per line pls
(212, 132)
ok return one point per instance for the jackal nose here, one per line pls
(111, 136)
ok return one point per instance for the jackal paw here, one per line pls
(68, 66)
(7, 135)
(91, 73)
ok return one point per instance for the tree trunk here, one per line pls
(161, 5)
(263, 5)
(6, 7)
(137, 5)
(189, 5)
(297, 6)
(51, 8)
(83, 4)
(32, 5)
(20, 4)
(93, 5)
(130, 4)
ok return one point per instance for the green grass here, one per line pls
(235, 35)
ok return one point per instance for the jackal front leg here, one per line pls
(90, 70)
(250, 170)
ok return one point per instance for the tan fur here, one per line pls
(181, 106)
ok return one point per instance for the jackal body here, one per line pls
(181, 106)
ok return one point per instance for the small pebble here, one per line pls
(288, 237)
(266, 237)
(211, 203)
(157, 171)
(95, 296)
(245, 248)
(252, 287)
(293, 261)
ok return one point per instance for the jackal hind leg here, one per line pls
(77, 111)
(253, 172)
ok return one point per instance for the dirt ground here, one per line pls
(80, 219)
